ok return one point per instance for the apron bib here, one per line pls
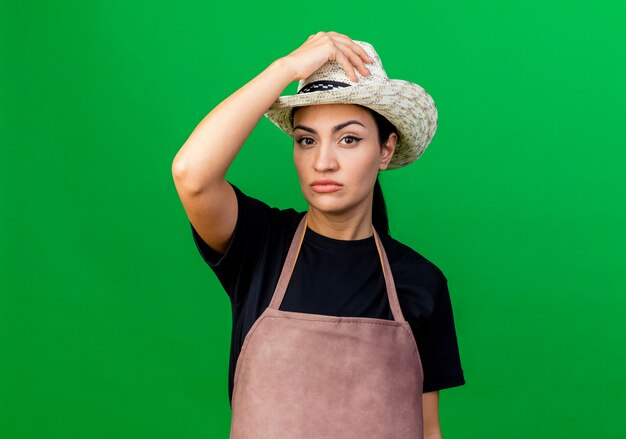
(305, 376)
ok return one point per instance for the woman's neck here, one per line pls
(345, 226)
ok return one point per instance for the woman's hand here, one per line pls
(328, 46)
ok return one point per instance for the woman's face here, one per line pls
(338, 142)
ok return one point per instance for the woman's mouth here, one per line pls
(324, 185)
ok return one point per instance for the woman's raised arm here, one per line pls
(199, 167)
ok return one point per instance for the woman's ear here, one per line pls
(389, 147)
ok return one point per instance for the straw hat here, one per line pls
(405, 104)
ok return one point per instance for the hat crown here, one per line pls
(333, 71)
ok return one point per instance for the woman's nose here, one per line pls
(325, 158)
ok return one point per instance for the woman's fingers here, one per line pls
(355, 54)
(345, 63)
(349, 42)
(354, 58)
(324, 46)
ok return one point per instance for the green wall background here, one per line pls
(112, 326)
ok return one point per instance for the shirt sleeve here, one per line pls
(235, 268)
(437, 341)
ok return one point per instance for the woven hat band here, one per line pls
(322, 85)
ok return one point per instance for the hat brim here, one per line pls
(405, 104)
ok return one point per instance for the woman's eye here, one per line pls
(304, 141)
(350, 140)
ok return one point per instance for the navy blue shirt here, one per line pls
(332, 277)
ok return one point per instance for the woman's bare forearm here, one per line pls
(213, 145)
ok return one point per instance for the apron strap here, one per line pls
(290, 262)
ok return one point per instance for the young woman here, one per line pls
(339, 330)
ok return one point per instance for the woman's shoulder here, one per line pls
(261, 209)
(406, 260)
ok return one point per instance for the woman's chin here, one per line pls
(328, 206)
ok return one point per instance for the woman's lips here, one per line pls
(325, 186)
